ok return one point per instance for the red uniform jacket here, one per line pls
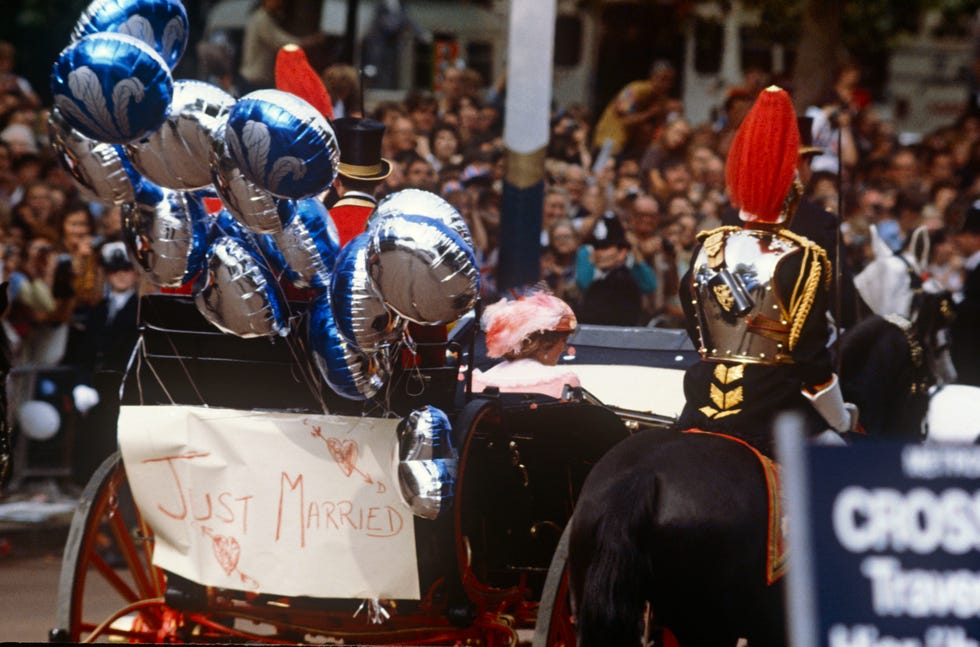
(350, 214)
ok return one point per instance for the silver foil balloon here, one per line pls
(418, 202)
(161, 24)
(283, 144)
(254, 207)
(427, 486)
(423, 269)
(176, 155)
(360, 312)
(308, 243)
(99, 168)
(111, 87)
(167, 233)
(424, 434)
(237, 294)
(348, 371)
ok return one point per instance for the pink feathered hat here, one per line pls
(508, 323)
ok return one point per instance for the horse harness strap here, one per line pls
(916, 353)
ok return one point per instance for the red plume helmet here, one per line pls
(762, 160)
(295, 75)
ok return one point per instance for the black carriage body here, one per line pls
(482, 566)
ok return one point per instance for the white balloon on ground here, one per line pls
(38, 420)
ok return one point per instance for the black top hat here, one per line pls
(360, 148)
(805, 124)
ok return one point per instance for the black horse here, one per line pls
(681, 521)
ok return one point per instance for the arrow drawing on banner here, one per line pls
(344, 452)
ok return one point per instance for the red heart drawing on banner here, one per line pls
(344, 452)
(226, 551)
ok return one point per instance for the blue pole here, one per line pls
(527, 116)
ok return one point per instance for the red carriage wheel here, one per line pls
(555, 626)
(108, 556)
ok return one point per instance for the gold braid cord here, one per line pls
(701, 235)
(815, 265)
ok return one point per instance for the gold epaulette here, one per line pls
(713, 241)
(815, 266)
(717, 231)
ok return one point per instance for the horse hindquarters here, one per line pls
(606, 562)
(681, 521)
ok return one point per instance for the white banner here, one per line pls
(286, 504)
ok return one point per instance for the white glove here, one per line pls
(829, 403)
(85, 398)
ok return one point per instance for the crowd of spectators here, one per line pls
(620, 212)
(636, 197)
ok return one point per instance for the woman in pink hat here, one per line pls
(530, 333)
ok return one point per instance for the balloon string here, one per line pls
(140, 351)
(149, 365)
(183, 366)
(302, 363)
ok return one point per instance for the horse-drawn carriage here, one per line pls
(480, 566)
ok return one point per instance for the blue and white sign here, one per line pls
(884, 544)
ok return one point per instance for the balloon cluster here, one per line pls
(132, 136)
(427, 462)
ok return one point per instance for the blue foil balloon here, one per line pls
(424, 434)
(428, 486)
(423, 269)
(251, 205)
(161, 24)
(167, 232)
(308, 243)
(360, 312)
(100, 169)
(282, 143)
(349, 372)
(238, 294)
(224, 224)
(418, 202)
(111, 88)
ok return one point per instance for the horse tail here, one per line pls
(611, 607)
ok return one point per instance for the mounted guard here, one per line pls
(757, 297)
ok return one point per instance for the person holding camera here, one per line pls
(833, 117)
(40, 297)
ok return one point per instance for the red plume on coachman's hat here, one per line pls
(762, 160)
(295, 75)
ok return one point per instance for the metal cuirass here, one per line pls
(741, 316)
